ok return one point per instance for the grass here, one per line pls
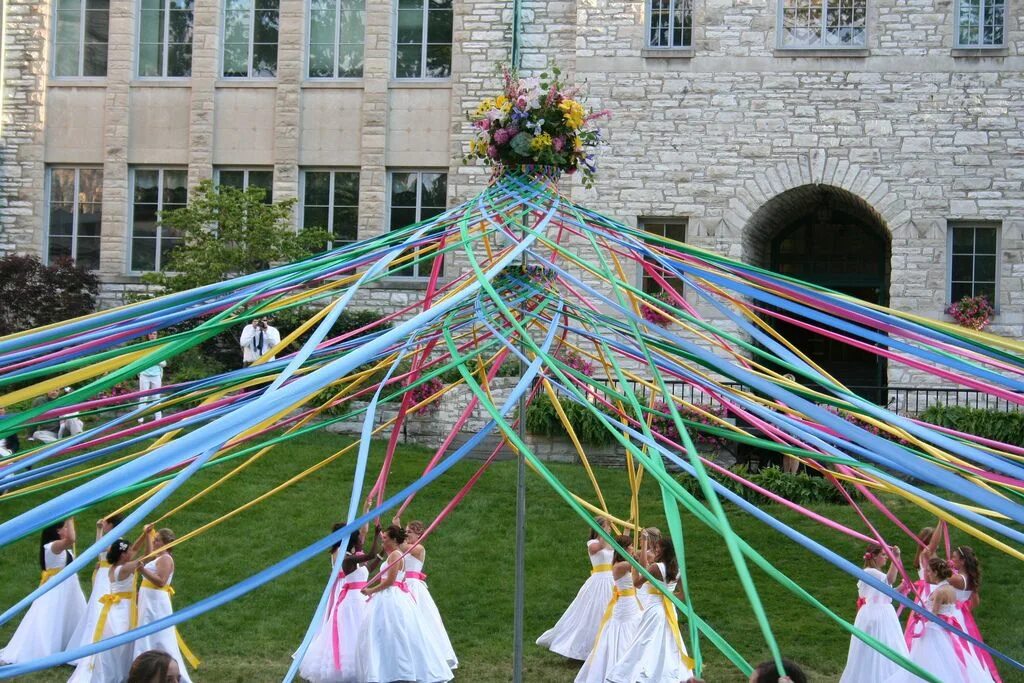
(470, 564)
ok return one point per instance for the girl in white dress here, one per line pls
(657, 653)
(116, 617)
(574, 633)
(967, 580)
(877, 618)
(155, 601)
(100, 587)
(331, 656)
(392, 643)
(417, 582)
(51, 619)
(619, 623)
(932, 647)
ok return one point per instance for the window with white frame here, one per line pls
(673, 229)
(336, 32)
(250, 38)
(165, 38)
(823, 24)
(423, 39)
(669, 23)
(74, 210)
(980, 23)
(973, 262)
(244, 178)
(330, 201)
(81, 29)
(415, 196)
(155, 191)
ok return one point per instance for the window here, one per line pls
(244, 178)
(823, 24)
(330, 201)
(80, 42)
(75, 211)
(336, 30)
(155, 191)
(416, 196)
(673, 229)
(980, 23)
(424, 39)
(250, 38)
(670, 23)
(165, 39)
(973, 265)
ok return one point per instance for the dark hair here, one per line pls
(971, 566)
(149, 666)
(667, 554)
(114, 519)
(872, 551)
(940, 567)
(117, 549)
(593, 533)
(395, 533)
(49, 535)
(626, 542)
(335, 527)
(768, 672)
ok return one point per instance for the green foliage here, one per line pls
(33, 293)
(802, 488)
(509, 368)
(227, 232)
(542, 420)
(194, 364)
(1005, 426)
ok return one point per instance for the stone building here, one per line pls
(874, 146)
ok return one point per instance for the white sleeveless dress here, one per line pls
(877, 618)
(574, 634)
(939, 652)
(50, 620)
(155, 604)
(343, 619)
(87, 624)
(654, 655)
(416, 580)
(392, 644)
(111, 666)
(615, 635)
(962, 613)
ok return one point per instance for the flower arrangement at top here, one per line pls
(654, 314)
(536, 121)
(974, 312)
(575, 361)
(424, 391)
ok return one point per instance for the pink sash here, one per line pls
(972, 628)
(416, 575)
(915, 629)
(332, 611)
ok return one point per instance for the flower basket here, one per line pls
(655, 315)
(974, 312)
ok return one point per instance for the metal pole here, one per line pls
(520, 585)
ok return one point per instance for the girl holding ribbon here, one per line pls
(51, 619)
(966, 581)
(620, 622)
(877, 618)
(100, 587)
(574, 633)
(417, 582)
(657, 653)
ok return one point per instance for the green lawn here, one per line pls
(471, 574)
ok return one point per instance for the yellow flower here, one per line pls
(573, 112)
(502, 103)
(541, 142)
(478, 146)
(577, 143)
(484, 107)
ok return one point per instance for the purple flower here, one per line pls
(492, 152)
(558, 143)
(502, 136)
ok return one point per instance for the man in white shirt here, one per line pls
(152, 378)
(258, 337)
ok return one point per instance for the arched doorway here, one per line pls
(830, 237)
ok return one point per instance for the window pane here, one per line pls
(179, 61)
(59, 248)
(95, 63)
(236, 60)
(963, 240)
(353, 27)
(350, 61)
(963, 268)
(175, 186)
(96, 26)
(410, 27)
(149, 60)
(68, 26)
(346, 189)
(403, 189)
(402, 217)
(88, 255)
(66, 60)
(180, 29)
(89, 217)
(985, 269)
(321, 26)
(90, 185)
(151, 26)
(231, 179)
(166, 247)
(265, 27)
(439, 26)
(274, 5)
(144, 220)
(439, 61)
(315, 217)
(143, 254)
(264, 60)
(959, 290)
(410, 4)
(345, 219)
(236, 27)
(321, 61)
(435, 190)
(408, 60)
(62, 218)
(317, 190)
(985, 240)
(62, 185)
(988, 289)
(146, 181)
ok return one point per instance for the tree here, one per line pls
(33, 293)
(226, 232)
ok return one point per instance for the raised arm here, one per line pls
(68, 541)
(894, 566)
(387, 579)
(164, 569)
(248, 332)
(933, 542)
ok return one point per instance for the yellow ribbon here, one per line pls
(185, 651)
(616, 594)
(598, 568)
(673, 623)
(108, 601)
(48, 574)
(102, 564)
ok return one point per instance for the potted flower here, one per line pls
(974, 312)
(654, 314)
(426, 390)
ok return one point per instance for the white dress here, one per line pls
(392, 644)
(939, 652)
(615, 635)
(877, 618)
(962, 613)
(87, 624)
(417, 582)
(574, 633)
(654, 655)
(111, 666)
(50, 620)
(343, 620)
(154, 604)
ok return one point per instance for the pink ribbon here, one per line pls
(416, 575)
(972, 629)
(860, 603)
(958, 644)
(333, 611)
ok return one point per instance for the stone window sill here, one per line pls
(161, 83)
(420, 84)
(122, 279)
(333, 84)
(980, 52)
(77, 83)
(246, 83)
(838, 53)
(667, 53)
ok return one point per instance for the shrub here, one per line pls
(34, 294)
(998, 425)
(664, 424)
(542, 420)
(802, 488)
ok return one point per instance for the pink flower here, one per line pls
(483, 124)
(492, 152)
(502, 136)
(522, 102)
(558, 143)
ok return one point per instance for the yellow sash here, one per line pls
(598, 568)
(48, 574)
(185, 651)
(673, 624)
(616, 594)
(108, 601)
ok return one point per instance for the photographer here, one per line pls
(257, 338)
